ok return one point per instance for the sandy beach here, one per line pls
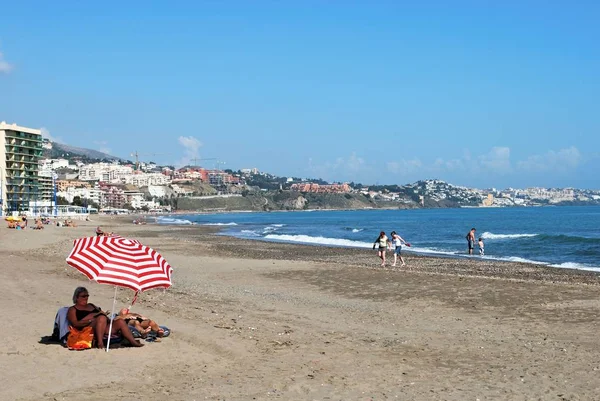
(257, 321)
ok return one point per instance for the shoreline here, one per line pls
(256, 320)
(470, 260)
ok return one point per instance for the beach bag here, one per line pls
(80, 339)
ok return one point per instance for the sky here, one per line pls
(480, 94)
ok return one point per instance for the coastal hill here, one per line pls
(250, 189)
(56, 150)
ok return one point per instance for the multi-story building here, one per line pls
(19, 156)
(46, 186)
(106, 172)
(145, 179)
(112, 196)
(88, 193)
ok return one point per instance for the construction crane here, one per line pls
(137, 159)
(219, 163)
(195, 160)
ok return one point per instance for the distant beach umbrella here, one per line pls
(121, 262)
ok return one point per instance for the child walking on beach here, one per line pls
(480, 243)
(383, 243)
(398, 241)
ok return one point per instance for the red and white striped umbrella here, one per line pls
(121, 262)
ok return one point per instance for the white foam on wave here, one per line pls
(219, 224)
(307, 239)
(520, 260)
(270, 229)
(429, 251)
(578, 266)
(172, 220)
(251, 233)
(488, 235)
(356, 230)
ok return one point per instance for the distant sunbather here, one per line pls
(141, 323)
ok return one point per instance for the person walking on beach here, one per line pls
(383, 243)
(480, 243)
(471, 240)
(397, 240)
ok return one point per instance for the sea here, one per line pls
(564, 237)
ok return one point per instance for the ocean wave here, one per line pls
(307, 239)
(219, 224)
(251, 233)
(578, 266)
(519, 260)
(488, 235)
(278, 225)
(172, 220)
(429, 251)
(573, 239)
(271, 228)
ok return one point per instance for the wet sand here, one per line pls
(255, 320)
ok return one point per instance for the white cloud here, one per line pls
(497, 160)
(192, 147)
(352, 163)
(102, 147)
(404, 166)
(343, 168)
(450, 165)
(46, 134)
(5, 66)
(563, 160)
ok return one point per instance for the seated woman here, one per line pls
(99, 232)
(141, 323)
(84, 314)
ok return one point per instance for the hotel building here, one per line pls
(20, 151)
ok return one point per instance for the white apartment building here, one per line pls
(20, 151)
(134, 198)
(146, 179)
(91, 194)
(552, 195)
(106, 172)
(53, 164)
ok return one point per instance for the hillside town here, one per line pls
(33, 183)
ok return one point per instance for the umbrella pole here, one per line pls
(112, 317)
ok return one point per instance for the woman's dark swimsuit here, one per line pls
(81, 314)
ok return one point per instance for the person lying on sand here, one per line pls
(141, 323)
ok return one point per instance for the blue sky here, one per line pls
(375, 92)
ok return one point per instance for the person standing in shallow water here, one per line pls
(471, 240)
(383, 242)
